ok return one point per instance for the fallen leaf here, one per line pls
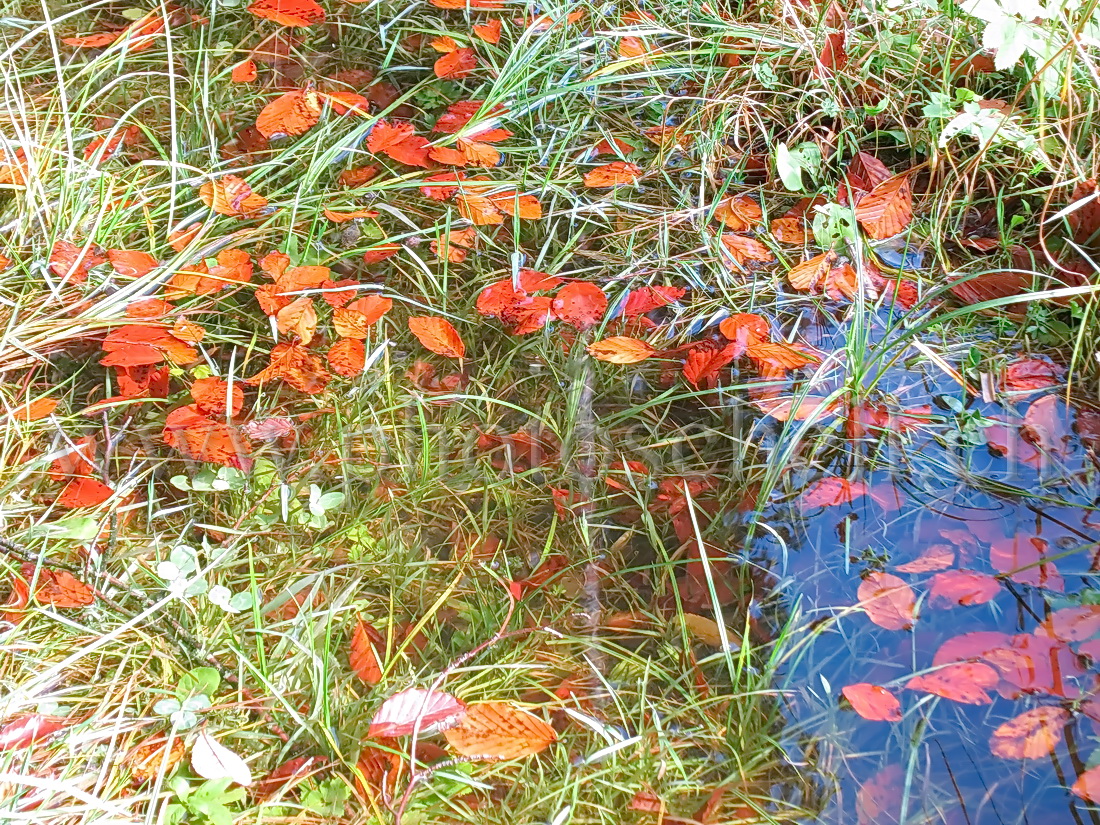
(1047, 425)
(935, 557)
(212, 760)
(298, 318)
(158, 754)
(1022, 558)
(1031, 374)
(489, 32)
(1087, 785)
(962, 587)
(1072, 624)
(347, 357)
(873, 702)
(888, 601)
(616, 173)
(739, 213)
(648, 298)
(456, 64)
(214, 396)
(621, 350)
(34, 410)
(244, 72)
(363, 656)
(964, 682)
(1031, 735)
(231, 195)
(30, 729)
(416, 710)
(292, 113)
(887, 209)
(579, 304)
(293, 13)
(499, 730)
(829, 492)
(296, 365)
(438, 335)
(744, 250)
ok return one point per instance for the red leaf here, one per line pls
(965, 682)
(438, 335)
(888, 600)
(580, 305)
(1031, 374)
(648, 298)
(29, 729)
(828, 492)
(962, 587)
(1022, 558)
(1087, 785)
(84, 492)
(970, 646)
(385, 134)
(888, 208)
(936, 557)
(705, 360)
(416, 709)
(1036, 664)
(873, 702)
(1072, 624)
(1046, 424)
(457, 64)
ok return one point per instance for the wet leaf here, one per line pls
(887, 209)
(888, 601)
(1087, 785)
(293, 363)
(745, 250)
(962, 587)
(294, 13)
(1031, 735)
(648, 298)
(416, 709)
(829, 492)
(298, 318)
(965, 682)
(1072, 624)
(708, 631)
(292, 113)
(739, 213)
(873, 702)
(745, 329)
(1046, 424)
(1022, 557)
(621, 350)
(347, 357)
(579, 304)
(438, 335)
(499, 730)
(705, 360)
(935, 557)
(616, 173)
(1031, 374)
(213, 396)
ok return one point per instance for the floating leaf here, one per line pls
(1087, 785)
(416, 710)
(965, 682)
(888, 601)
(499, 730)
(1072, 624)
(873, 702)
(621, 350)
(1022, 557)
(1031, 735)
(962, 587)
(935, 557)
(210, 759)
(829, 492)
(438, 335)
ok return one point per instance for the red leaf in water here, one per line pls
(415, 709)
(879, 799)
(1036, 664)
(363, 658)
(1031, 735)
(873, 702)
(1022, 558)
(1072, 624)
(1046, 424)
(648, 298)
(705, 360)
(965, 682)
(962, 587)
(828, 492)
(970, 646)
(1031, 374)
(1087, 785)
(581, 305)
(888, 600)
(29, 729)
(936, 557)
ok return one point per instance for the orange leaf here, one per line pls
(372, 307)
(456, 65)
(188, 331)
(705, 360)
(34, 410)
(791, 231)
(829, 492)
(936, 557)
(963, 682)
(1087, 785)
(385, 134)
(212, 396)
(359, 176)
(478, 209)
(775, 360)
(888, 600)
(93, 41)
(612, 174)
(499, 730)
(294, 13)
(72, 262)
(744, 249)
(888, 208)
(580, 305)
(181, 237)
(489, 32)
(456, 245)
(438, 335)
(84, 492)
(806, 275)
(1031, 735)
(231, 195)
(344, 217)
(298, 318)
(206, 439)
(412, 151)
(525, 207)
(59, 588)
(745, 329)
(648, 298)
(739, 213)
(479, 154)
(293, 113)
(873, 702)
(621, 350)
(296, 365)
(244, 72)
(363, 658)
(131, 263)
(347, 357)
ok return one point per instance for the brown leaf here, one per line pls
(739, 213)
(438, 335)
(499, 730)
(888, 208)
